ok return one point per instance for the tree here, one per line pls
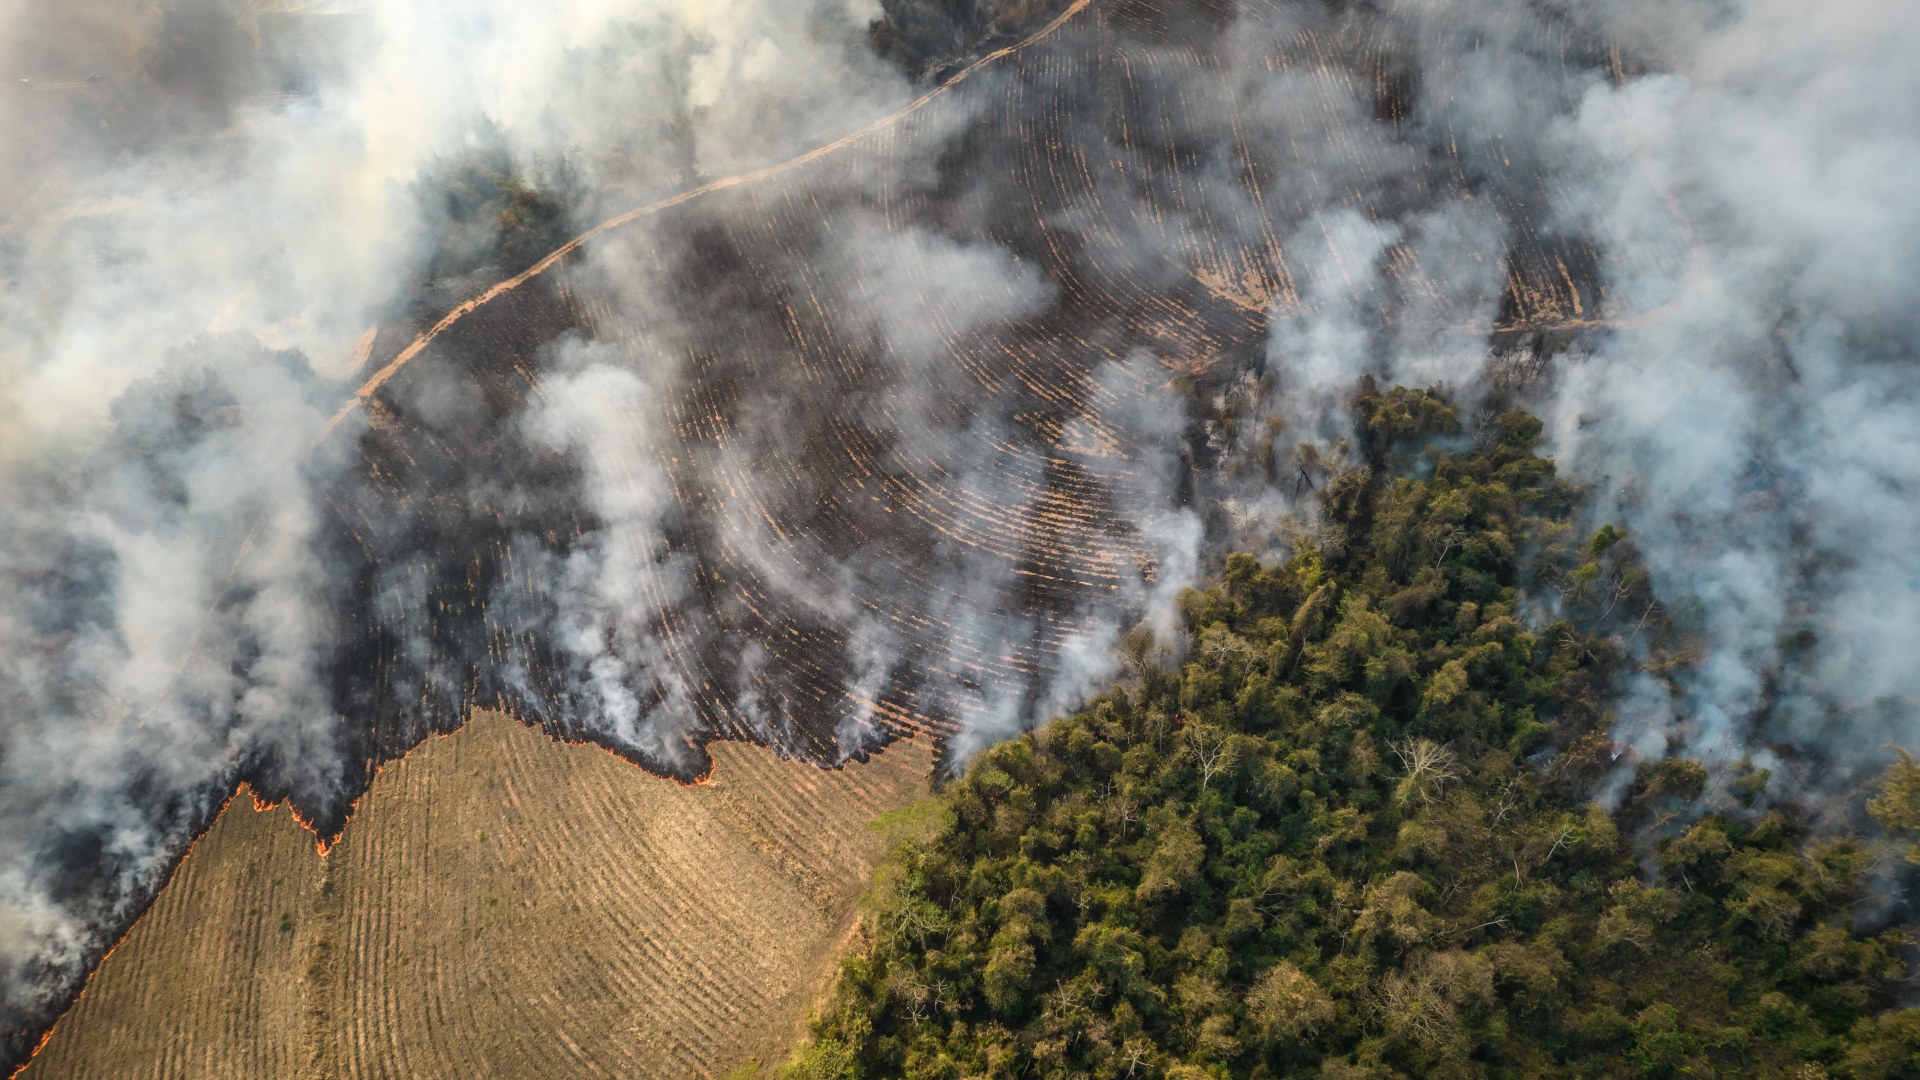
(1426, 768)
(1175, 861)
(1209, 745)
(1885, 1047)
(1897, 807)
(1285, 1003)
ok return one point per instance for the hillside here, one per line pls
(499, 905)
(1357, 836)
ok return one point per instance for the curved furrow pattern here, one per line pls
(500, 905)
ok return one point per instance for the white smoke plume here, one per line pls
(620, 577)
(1736, 385)
(1758, 421)
(185, 251)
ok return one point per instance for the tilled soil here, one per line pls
(499, 905)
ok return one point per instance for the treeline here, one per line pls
(487, 213)
(1353, 836)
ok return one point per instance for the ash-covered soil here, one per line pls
(856, 543)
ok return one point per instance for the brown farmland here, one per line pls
(499, 905)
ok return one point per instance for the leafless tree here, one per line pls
(1225, 649)
(1428, 767)
(1557, 841)
(1414, 1007)
(1575, 644)
(1501, 921)
(1652, 606)
(912, 993)
(1622, 588)
(1126, 811)
(1509, 798)
(1209, 750)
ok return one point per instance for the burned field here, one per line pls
(867, 532)
(895, 441)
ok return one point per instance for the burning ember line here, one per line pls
(373, 383)
(47, 1035)
(323, 845)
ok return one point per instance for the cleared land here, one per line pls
(501, 905)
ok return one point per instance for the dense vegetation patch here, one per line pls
(487, 213)
(1353, 835)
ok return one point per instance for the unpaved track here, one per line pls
(499, 905)
(554, 257)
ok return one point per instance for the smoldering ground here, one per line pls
(901, 438)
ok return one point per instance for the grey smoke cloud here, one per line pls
(1749, 201)
(146, 662)
(174, 231)
(615, 582)
(922, 290)
(1741, 395)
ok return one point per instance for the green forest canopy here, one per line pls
(1353, 836)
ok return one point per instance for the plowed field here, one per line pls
(499, 905)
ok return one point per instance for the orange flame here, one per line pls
(324, 844)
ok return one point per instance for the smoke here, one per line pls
(1759, 422)
(620, 577)
(186, 248)
(922, 401)
(1688, 220)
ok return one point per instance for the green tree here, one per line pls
(1356, 835)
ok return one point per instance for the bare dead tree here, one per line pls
(1427, 766)
(1417, 1008)
(1622, 588)
(1557, 841)
(1127, 811)
(1652, 606)
(1509, 798)
(1209, 750)
(1575, 644)
(1501, 921)
(1227, 651)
